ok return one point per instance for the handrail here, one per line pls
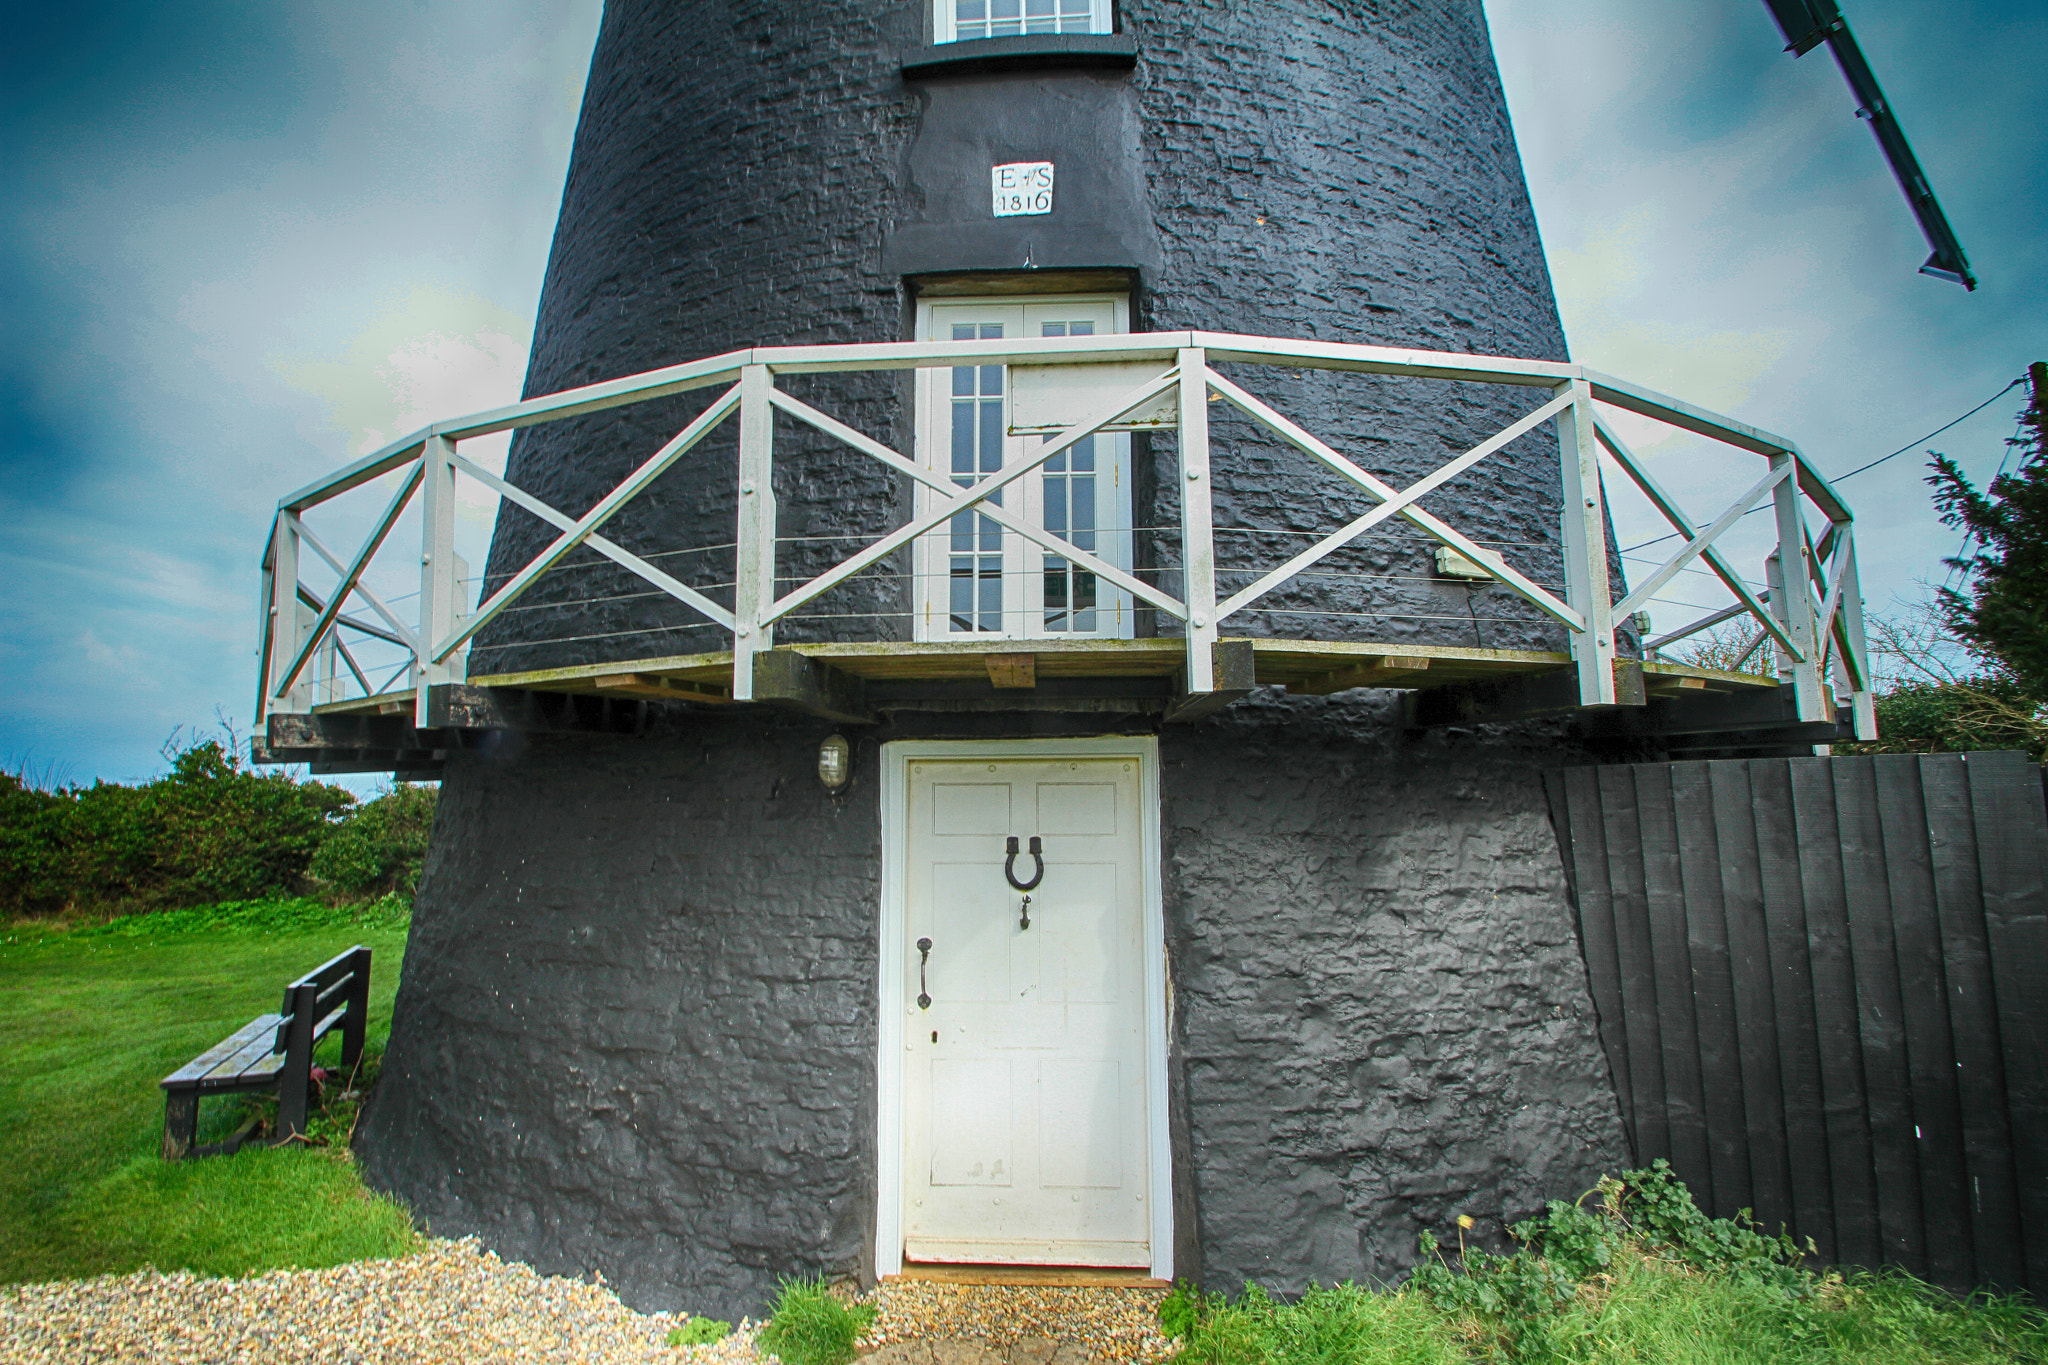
(1814, 622)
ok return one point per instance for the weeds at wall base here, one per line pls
(812, 1325)
(1639, 1276)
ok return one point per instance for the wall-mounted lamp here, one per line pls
(835, 763)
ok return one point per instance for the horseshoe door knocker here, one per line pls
(1037, 860)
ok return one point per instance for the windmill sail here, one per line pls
(1809, 23)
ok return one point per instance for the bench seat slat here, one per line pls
(191, 1073)
(256, 1060)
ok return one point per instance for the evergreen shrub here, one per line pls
(377, 848)
(207, 831)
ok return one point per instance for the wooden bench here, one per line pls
(273, 1052)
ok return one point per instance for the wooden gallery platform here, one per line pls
(1697, 711)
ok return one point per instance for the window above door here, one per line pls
(965, 20)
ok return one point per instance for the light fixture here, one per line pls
(835, 763)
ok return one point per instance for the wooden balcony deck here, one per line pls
(1013, 669)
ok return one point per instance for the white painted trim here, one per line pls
(896, 760)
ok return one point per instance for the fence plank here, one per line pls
(2012, 832)
(1806, 1143)
(1845, 1104)
(1770, 1168)
(1699, 858)
(1930, 1052)
(1685, 1100)
(1973, 1022)
(1880, 1017)
(1596, 938)
(1638, 966)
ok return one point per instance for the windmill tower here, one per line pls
(996, 726)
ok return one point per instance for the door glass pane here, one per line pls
(975, 567)
(1070, 494)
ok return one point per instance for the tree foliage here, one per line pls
(1942, 694)
(2002, 610)
(378, 847)
(207, 831)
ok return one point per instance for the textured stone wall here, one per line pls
(1381, 1017)
(636, 1029)
(1346, 172)
(734, 167)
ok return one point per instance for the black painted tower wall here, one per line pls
(637, 1026)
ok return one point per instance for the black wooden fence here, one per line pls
(1822, 986)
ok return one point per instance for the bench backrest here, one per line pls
(336, 994)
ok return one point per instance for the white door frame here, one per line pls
(896, 760)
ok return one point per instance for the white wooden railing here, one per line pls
(1811, 613)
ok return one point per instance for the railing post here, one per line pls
(437, 568)
(1857, 666)
(285, 639)
(265, 639)
(1774, 597)
(1197, 522)
(1793, 599)
(754, 554)
(327, 657)
(1585, 548)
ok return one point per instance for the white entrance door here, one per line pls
(976, 578)
(1024, 1079)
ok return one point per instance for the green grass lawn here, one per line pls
(92, 1017)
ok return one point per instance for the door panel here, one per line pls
(973, 1146)
(1077, 1148)
(1037, 1032)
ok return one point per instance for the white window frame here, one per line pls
(1116, 541)
(945, 26)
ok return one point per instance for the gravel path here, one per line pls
(451, 1302)
(1026, 1325)
(455, 1302)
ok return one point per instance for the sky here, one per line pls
(245, 242)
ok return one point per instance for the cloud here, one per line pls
(429, 354)
(238, 248)
(1720, 228)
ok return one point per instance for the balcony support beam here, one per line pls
(1232, 676)
(785, 678)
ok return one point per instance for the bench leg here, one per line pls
(295, 1079)
(181, 1123)
(355, 1023)
(292, 1087)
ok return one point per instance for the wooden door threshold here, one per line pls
(1078, 1276)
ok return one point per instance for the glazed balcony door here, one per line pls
(974, 577)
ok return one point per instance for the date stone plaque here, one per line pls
(1021, 187)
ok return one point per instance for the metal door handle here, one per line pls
(1037, 860)
(924, 955)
